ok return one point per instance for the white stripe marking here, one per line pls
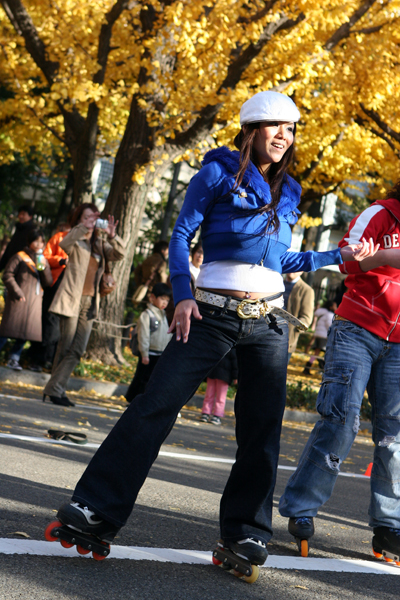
(229, 461)
(356, 233)
(40, 548)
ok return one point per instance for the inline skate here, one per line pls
(78, 526)
(302, 528)
(386, 544)
(241, 558)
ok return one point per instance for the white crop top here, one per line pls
(244, 277)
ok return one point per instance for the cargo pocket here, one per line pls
(334, 395)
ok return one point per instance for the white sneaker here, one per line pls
(14, 364)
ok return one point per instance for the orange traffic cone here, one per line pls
(368, 471)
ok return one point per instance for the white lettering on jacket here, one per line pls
(387, 241)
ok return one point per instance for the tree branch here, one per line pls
(23, 24)
(372, 114)
(258, 15)
(234, 74)
(51, 129)
(344, 31)
(363, 123)
(105, 36)
(314, 164)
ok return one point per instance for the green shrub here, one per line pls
(304, 397)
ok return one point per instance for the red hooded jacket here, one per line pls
(373, 298)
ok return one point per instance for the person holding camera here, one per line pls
(77, 299)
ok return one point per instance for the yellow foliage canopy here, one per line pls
(179, 58)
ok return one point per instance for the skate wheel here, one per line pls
(388, 559)
(377, 554)
(65, 544)
(81, 550)
(97, 556)
(216, 561)
(254, 575)
(303, 548)
(47, 532)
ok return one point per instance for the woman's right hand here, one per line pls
(181, 321)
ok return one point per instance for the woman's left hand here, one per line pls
(359, 251)
(112, 226)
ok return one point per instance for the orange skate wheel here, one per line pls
(82, 551)
(377, 554)
(65, 544)
(47, 532)
(304, 548)
(97, 556)
(254, 575)
(216, 561)
(388, 559)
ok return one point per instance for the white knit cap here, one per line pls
(269, 106)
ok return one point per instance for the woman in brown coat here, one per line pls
(77, 299)
(22, 317)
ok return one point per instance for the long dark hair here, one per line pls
(275, 176)
(394, 192)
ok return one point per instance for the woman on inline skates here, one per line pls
(245, 203)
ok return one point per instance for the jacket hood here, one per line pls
(291, 190)
(392, 205)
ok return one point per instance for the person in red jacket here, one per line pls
(363, 352)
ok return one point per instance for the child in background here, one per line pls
(22, 317)
(218, 381)
(197, 256)
(322, 321)
(151, 342)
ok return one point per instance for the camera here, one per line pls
(101, 224)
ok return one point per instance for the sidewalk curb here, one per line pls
(108, 388)
(75, 384)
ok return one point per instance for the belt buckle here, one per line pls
(244, 309)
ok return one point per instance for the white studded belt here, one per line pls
(248, 309)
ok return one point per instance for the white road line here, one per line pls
(214, 459)
(41, 548)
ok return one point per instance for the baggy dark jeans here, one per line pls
(117, 471)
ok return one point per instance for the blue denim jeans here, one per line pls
(16, 350)
(355, 360)
(113, 478)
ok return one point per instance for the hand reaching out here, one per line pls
(359, 251)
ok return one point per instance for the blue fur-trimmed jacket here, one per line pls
(228, 232)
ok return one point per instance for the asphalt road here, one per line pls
(176, 509)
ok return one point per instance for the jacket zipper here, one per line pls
(391, 331)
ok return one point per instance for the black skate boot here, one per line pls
(80, 526)
(302, 528)
(386, 544)
(241, 557)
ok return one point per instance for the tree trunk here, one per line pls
(126, 201)
(166, 223)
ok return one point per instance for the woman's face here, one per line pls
(272, 140)
(197, 258)
(37, 244)
(87, 213)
